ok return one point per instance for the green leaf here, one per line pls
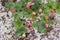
(17, 22)
(21, 30)
(41, 27)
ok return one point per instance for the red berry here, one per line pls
(30, 19)
(40, 10)
(28, 6)
(46, 25)
(26, 25)
(46, 17)
(30, 28)
(12, 9)
(52, 11)
(33, 13)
